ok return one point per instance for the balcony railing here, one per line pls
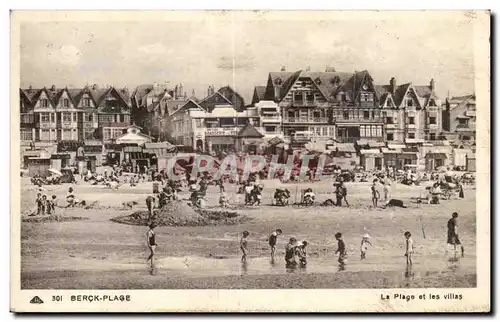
(304, 104)
(358, 120)
(114, 124)
(270, 118)
(90, 125)
(68, 125)
(46, 125)
(305, 120)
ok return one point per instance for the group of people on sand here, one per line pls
(253, 193)
(46, 206)
(375, 193)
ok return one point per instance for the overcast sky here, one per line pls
(241, 53)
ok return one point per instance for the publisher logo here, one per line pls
(36, 300)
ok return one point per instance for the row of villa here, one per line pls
(296, 108)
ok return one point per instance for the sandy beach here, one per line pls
(97, 253)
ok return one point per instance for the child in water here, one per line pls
(273, 239)
(290, 253)
(244, 246)
(151, 240)
(364, 245)
(302, 254)
(408, 248)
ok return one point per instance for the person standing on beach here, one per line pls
(408, 248)
(151, 240)
(39, 204)
(244, 246)
(150, 203)
(387, 190)
(365, 241)
(339, 195)
(272, 239)
(341, 248)
(343, 190)
(375, 193)
(453, 233)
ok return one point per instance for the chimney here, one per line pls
(181, 89)
(94, 87)
(192, 93)
(283, 68)
(176, 91)
(330, 69)
(185, 94)
(53, 88)
(393, 85)
(433, 85)
(308, 68)
(30, 88)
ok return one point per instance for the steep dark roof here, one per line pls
(174, 105)
(400, 93)
(328, 83)
(423, 91)
(190, 104)
(74, 94)
(271, 83)
(228, 89)
(141, 90)
(460, 100)
(249, 131)
(381, 90)
(258, 94)
(260, 91)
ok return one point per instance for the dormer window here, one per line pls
(86, 102)
(278, 81)
(432, 103)
(44, 102)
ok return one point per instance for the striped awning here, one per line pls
(396, 145)
(345, 147)
(371, 152)
(31, 153)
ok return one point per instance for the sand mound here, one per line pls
(179, 213)
(41, 219)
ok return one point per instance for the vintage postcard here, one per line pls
(250, 161)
